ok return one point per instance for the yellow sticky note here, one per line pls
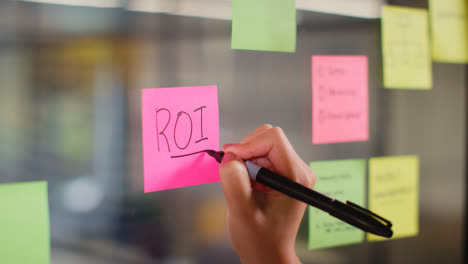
(449, 30)
(393, 193)
(405, 48)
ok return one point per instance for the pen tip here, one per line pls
(218, 155)
(210, 152)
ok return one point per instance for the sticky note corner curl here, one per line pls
(177, 124)
(264, 25)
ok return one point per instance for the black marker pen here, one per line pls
(347, 212)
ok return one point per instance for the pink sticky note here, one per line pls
(177, 122)
(339, 99)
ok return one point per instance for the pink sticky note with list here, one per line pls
(339, 99)
(177, 122)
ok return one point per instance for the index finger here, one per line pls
(260, 130)
(274, 145)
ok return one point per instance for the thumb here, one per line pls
(235, 181)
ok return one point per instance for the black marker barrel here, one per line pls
(289, 187)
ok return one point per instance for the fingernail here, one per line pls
(227, 158)
(227, 146)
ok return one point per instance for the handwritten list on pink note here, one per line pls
(339, 99)
(176, 122)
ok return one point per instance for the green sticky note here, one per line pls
(343, 180)
(405, 48)
(449, 30)
(24, 223)
(393, 193)
(268, 25)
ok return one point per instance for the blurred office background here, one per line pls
(71, 72)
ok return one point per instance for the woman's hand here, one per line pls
(263, 223)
